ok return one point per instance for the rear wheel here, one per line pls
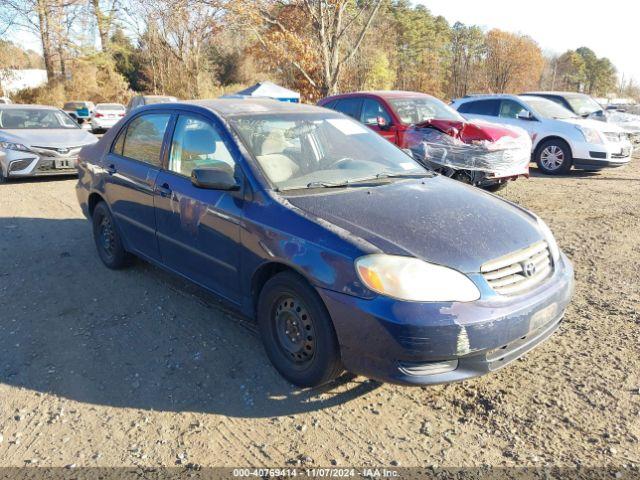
(108, 240)
(297, 331)
(554, 157)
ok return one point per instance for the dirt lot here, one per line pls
(138, 368)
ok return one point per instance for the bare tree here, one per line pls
(338, 28)
(104, 12)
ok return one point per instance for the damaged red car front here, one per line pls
(484, 154)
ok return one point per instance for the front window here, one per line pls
(315, 150)
(34, 118)
(584, 105)
(197, 144)
(548, 109)
(413, 111)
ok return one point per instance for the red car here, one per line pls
(480, 153)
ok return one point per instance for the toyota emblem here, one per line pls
(63, 150)
(529, 269)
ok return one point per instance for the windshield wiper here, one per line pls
(327, 184)
(427, 173)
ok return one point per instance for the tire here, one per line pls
(495, 187)
(554, 157)
(3, 179)
(107, 239)
(297, 331)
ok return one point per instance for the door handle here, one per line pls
(111, 169)
(164, 190)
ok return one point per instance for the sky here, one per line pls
(610, 28)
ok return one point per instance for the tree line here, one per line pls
(103, 50)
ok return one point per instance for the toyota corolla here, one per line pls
(348, 253)
(38, 140)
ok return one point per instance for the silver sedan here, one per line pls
(38, 140)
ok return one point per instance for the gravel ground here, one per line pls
(103, 368)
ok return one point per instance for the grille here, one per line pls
(615, 137)
(520, 271)
(53, 151)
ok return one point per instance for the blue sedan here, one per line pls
(348, 253)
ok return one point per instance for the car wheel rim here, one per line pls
(295, 334)
(552, 157)
(107, 236)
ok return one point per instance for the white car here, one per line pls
(105, 116)
(39, 140)
(560, 138)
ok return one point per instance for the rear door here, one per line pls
(132, 166)
(199, 229)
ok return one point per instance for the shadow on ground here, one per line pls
(138, 338)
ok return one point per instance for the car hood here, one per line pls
(471, 131)
(55, 137)
(594, 124)
(436, 219)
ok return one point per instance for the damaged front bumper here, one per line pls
(430, 343)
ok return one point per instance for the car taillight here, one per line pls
(98, 115)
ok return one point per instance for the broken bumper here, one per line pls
(430, 343)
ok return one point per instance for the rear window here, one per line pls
(143, 140)
(349, 106)
(109, 106)
(481, 107)
(75, 105)
(153, 100)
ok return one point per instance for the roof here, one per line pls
(229, 107)
(382, 94)
(487, 96)
(268, 89)
(16, 106)
(560, 94)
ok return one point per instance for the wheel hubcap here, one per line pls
(552, 157)
(107, 238)
(294, 328)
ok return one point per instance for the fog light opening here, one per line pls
(418, 369)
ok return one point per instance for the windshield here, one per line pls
(152, 100)
(309, 150)
(548, 109)
(584, 105)
(421, 109)
(33, 118)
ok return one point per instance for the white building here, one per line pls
(13, 80)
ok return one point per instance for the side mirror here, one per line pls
(216, 177)
(525, 115)
(382, 123)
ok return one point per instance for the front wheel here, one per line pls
(297, 331)
(108, 240)
(495, 187)
(554, 157)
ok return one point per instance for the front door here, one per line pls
(132, 167)
(198, 229)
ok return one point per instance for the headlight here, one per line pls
(411, 279)
(550, 239)
(13, 146)
(590, 135)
